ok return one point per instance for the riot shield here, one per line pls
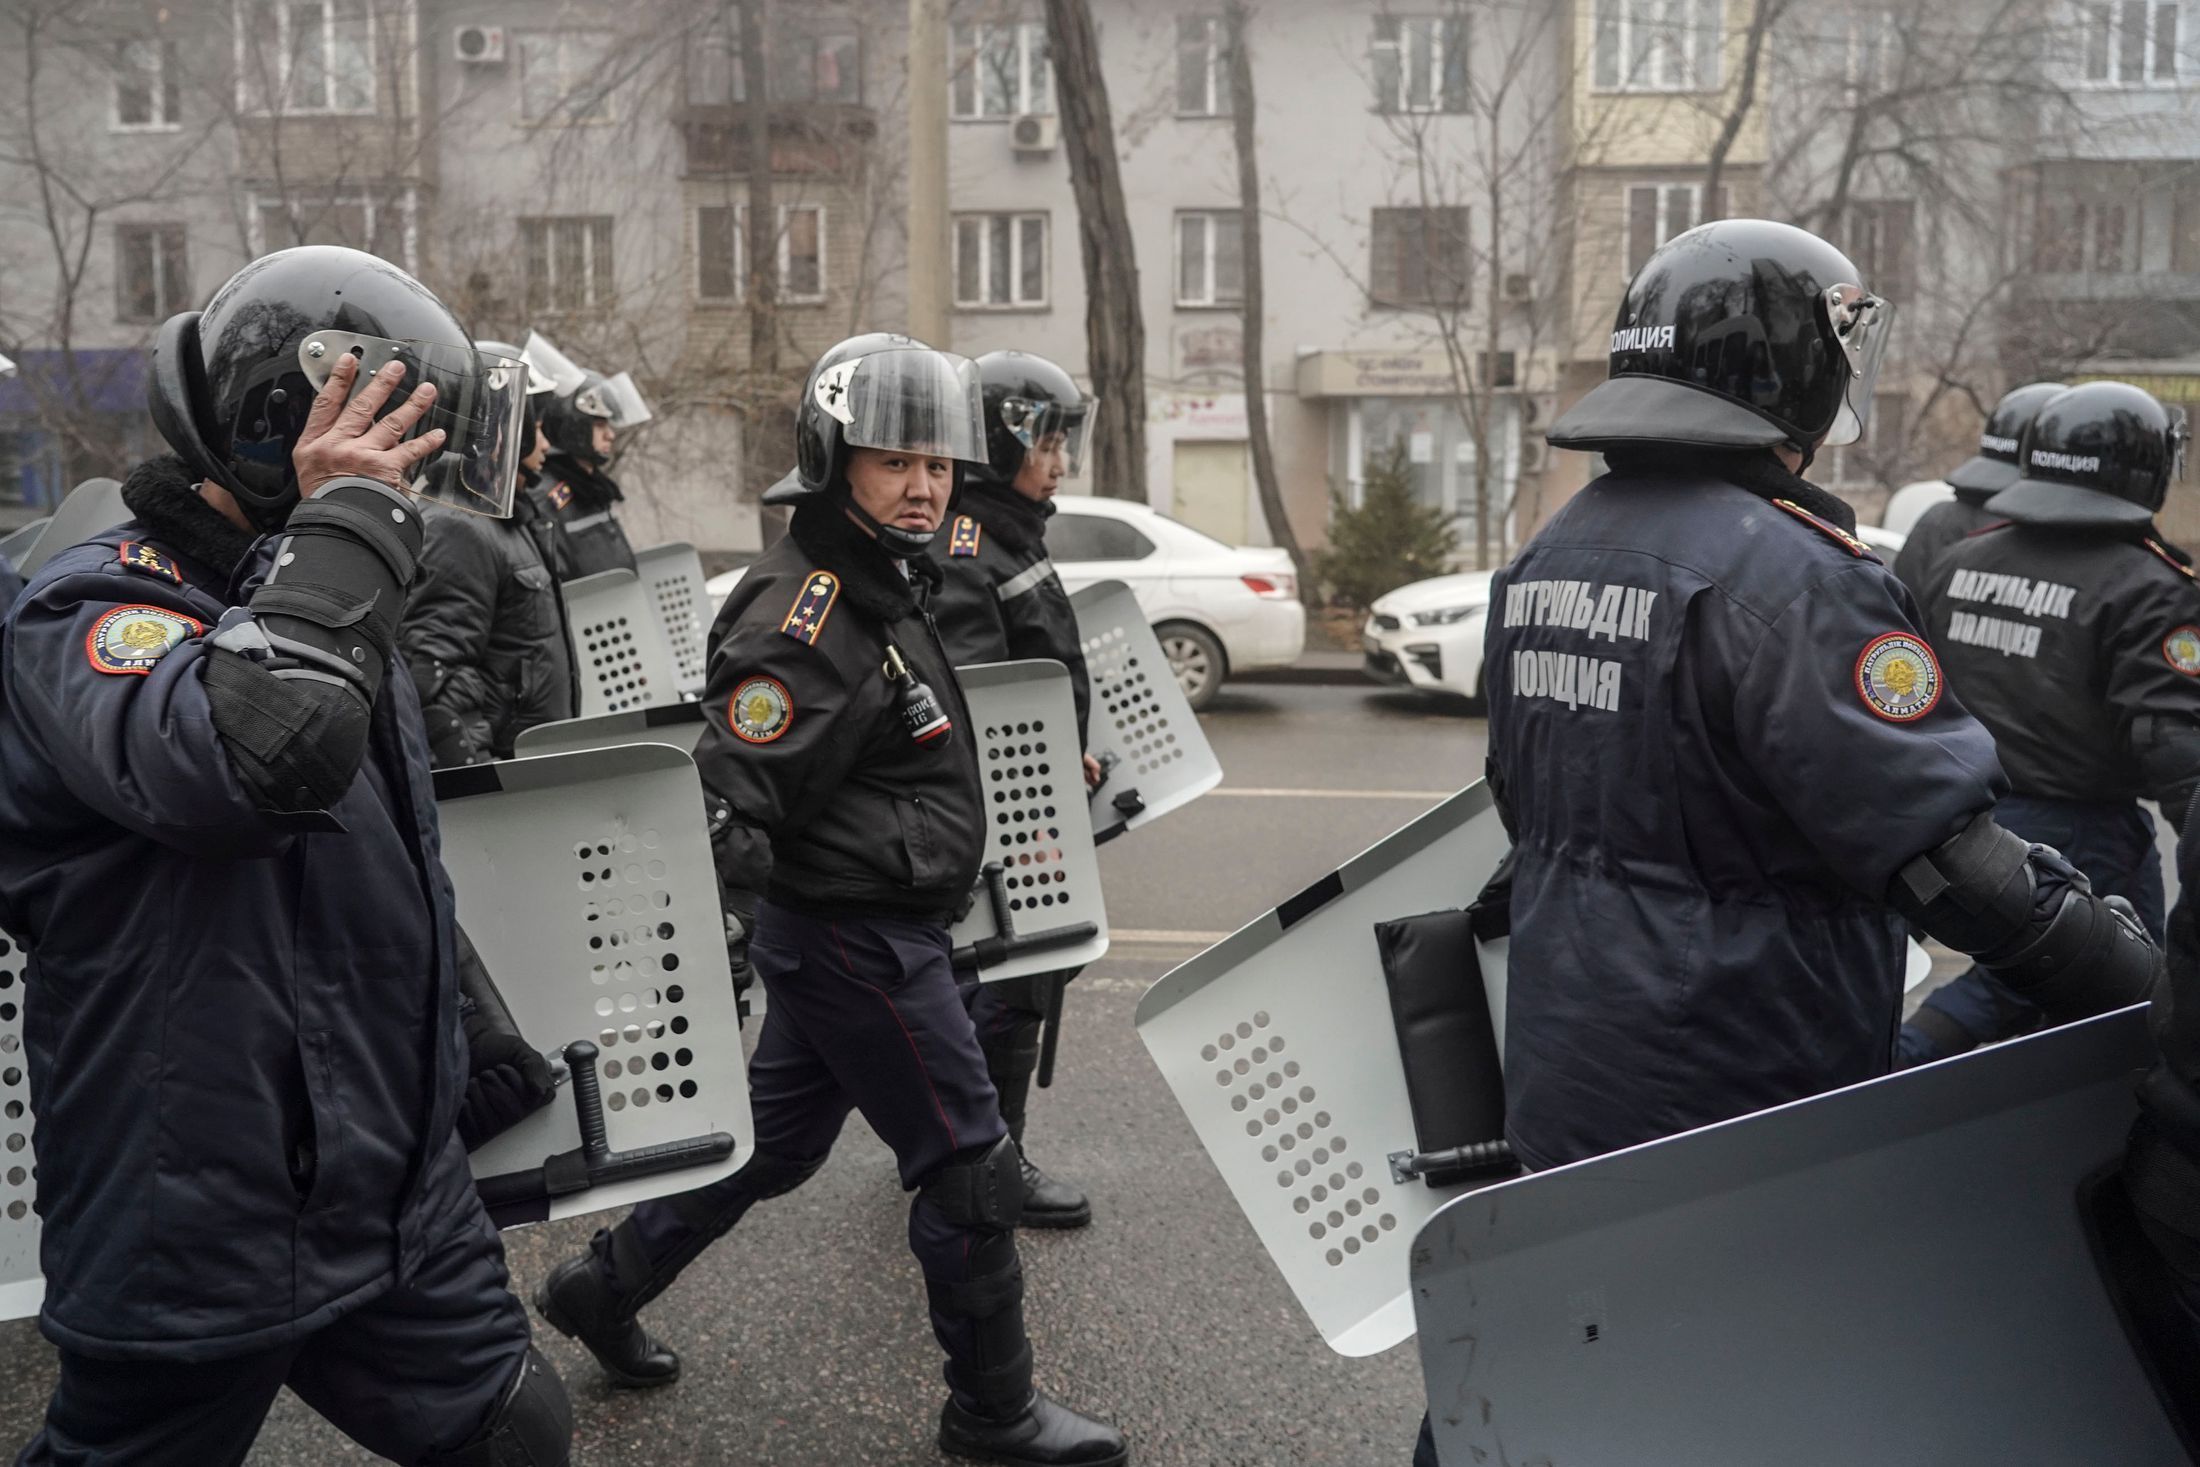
(18, 543)
(1039, 909)
(618, 645)
(1279, 1044)
(586, 882)
(673, 576)
(92, 506)
(1896, 1272)
(1140, 727)
(677, 724)
(22, 1286)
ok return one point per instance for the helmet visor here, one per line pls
(913, 401)
(564, 374)
(1859, 323)
(480, 404)
(617, 400)
(1043, 425)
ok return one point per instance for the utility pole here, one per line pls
(928, 81)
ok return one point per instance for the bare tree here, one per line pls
(1763, 15)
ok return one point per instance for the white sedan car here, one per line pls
(1218, 609)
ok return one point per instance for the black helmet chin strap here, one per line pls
(897, 542)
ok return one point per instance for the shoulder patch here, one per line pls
(966, 537)
(149, 560)
(1830, 530)
(560, 495)
(760, 710)
(2171, 561)
(2181, 650)
(1898, 677)
(806, 618)
(130, 639)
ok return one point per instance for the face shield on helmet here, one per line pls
(616, 400)
(1859, 324)
(1040, 425)
(918, 401)
(481, 401)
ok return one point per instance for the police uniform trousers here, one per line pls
(412, 1375)
(2113, 844)
(863, 1014)
(1009, 1017)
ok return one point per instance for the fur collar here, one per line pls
(164, 496)
(592, 488)
(868, 575)
(1020, 524)
(1755, 470)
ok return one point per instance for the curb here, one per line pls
(1308, 675)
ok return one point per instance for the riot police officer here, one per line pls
(849, 822)
(218, 834)
(485, 635)
(575, 486)
(1001, 600)
(1977, 479)
(2072, 629)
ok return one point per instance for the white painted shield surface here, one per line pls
(1138, 714)
(677, 724)
(22, 1287)
(672, 575)
(92, 506)
(619, 645)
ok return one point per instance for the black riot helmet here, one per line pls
(1994, 467)
(581, 398)
(883, 391)
(1029, 400)
(1741, 333)
(2097, 455)
(231, 385)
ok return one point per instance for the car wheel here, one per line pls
(1197, 660)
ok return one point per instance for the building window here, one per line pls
(152, 274)
(1210, 259)
(824, 67)
(1658, 211)
(568, 262)
(305, 56)
(1659, 45)
(801, 254)
(1002, 71)
(1000, 260)
(1202, 66)
(2129, 43)
(2086, 232)
(146, 95)
(1870, 51)
(2184, 244)
(381, 225)
(721, 253)
(1420, 63)
(1421, 257)
(1878, 241)
(561, 76)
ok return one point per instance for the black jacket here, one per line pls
(1000, 599)
(244, 1048)
(1717, 733)
(834, 806)
(2070, 645)
(586, 535)
(1937, 529)
(484, 632)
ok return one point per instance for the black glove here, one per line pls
(507, 1081)
(737, 948)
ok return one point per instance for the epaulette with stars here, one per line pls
(1830, 530)
(806, 618)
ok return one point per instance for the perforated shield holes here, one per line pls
(624, 660)
(1139, 717)
(20, 1285)
(673, 575)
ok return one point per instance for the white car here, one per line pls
(1428, 635)
(1218, 609)
(1909, 503)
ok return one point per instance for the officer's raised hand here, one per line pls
(343, 439)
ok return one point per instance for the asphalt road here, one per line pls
(804, 1332)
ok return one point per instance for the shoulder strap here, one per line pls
(1830, 530)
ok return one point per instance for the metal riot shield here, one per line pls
(622, 657)
(92, 506)
(677, 724)
(22, 1286)
(1039, 909)
(673, 576)
(1280, 1046)
(1897, 1272)
(1140, 727)
(585, 881)
(18, 543)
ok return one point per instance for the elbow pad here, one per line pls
(2168, 751)
(2031, 919)
(296, 742)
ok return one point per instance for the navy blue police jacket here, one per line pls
(1716, 733)
(243, 1039)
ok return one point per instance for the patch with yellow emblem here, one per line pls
(1898, 677)
(130, 639)
(760, 710)
(2181, 650)
(148, 560)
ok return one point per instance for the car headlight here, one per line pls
(1445, 616)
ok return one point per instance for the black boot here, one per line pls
(1010, 1059)
(1050, 1202)
(578, 1301)
(1044, 1434)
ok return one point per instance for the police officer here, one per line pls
(485, 635)
(1001, 600)
(2072, 629)
(1977, 479)
(1728, 757)
(218, 834)
(574, 486)
(843, 774)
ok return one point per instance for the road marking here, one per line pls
(1282, 794)
(1165, 937)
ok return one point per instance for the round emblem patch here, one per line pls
(133, 638)
(760, 710)
(1898, 678)
(2181, 649)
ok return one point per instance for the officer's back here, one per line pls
(1977, 479)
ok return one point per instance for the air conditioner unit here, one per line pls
(478, 45)
(1534, 453)
(1520, 288)
(1034, 136)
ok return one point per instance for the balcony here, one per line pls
(808, 139)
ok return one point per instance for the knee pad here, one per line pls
(531, 1427)
(985, 1191)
